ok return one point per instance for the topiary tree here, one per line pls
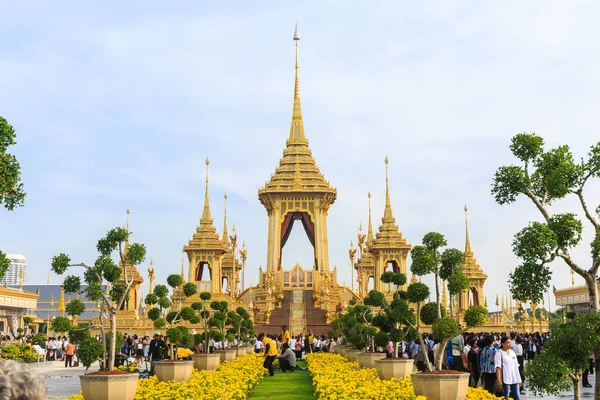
(160, 299)
(105, 271)
(429, 259)
(60, 325)
(241, 324)
(396, 320)
(219, 318)
(204, 315)
(566, 355)
(374, 299)
(39, 339)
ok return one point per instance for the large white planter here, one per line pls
(388, 368)
(351, 354)
(206, 362)
(109, 387)
(240, 351)
(441, 386)
(367, 360)
(249, 349)
(178, 371)
(226, 355)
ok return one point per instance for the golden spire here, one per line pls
(444, 297)
(370, 236)
(61, 302)
(127, 229)
(297, 128)
(468, 250)
(388, 216)
(151, 276)
(572, 277)
(485, 302)
(225, 233)
(182, 273)
(206, 218)
(48, 277)
(497, 301)
(21, 278)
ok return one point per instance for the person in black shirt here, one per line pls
(158, 348)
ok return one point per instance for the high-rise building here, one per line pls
(18, 263)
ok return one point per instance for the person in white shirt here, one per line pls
(507, 369)
(258, 346)
(292, 343)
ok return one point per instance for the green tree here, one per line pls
(60, 325)
(4, 264)
(178, 336)
(11, 188)
(545, 176)
(428, 258)
(105, 271)
(566, 355)
(396, 320)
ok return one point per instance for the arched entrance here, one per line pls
(286, 229)
(203, 276)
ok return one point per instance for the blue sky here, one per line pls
(117, 105)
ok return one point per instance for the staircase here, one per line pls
(299, 312)
(316, 321)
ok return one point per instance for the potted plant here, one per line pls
(173, 369)
(220, 320)
(241, 327)
(206, 360)
(395, 321)
(440, 384)
(354, 326)
(108, 282)
(366, 359)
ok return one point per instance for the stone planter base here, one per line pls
(109, 387)
(178, 371)
(240, 351)
(367, 360)
(351, 354)
(441, 386)
(389, 368)
(249, 349)
(206, 362)
(227, 355)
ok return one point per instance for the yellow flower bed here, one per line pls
(232, 380)
(334, 377)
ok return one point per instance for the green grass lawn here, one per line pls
(295, 385)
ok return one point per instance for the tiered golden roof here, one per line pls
(297, 171)
(132, 272)
(206, 236)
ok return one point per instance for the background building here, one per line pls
(18, 263)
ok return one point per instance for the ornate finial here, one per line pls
(388, 216)
(468, 251)
(127, 229)
(48, 277)
(225, 237)
(182, 273)
(21, 277)
(497, 301)
(351, 244)
(61, 301)
(485, 302)
(296, 34)
(370, 236)
(206, 218)
(233, 228)
(297, 128)
(572, 277)
(360, 229)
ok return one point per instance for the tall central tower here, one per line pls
(297, 191)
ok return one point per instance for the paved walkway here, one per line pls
(61, 382)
